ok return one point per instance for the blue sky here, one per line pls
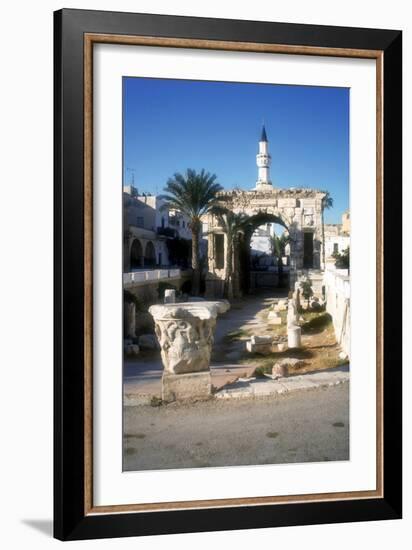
(172, 125)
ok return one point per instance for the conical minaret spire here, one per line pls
(263, 160)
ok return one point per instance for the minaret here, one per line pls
(263, 160)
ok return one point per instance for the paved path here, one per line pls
(265, 387)
(305, 426)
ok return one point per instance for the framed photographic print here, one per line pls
(227, 274)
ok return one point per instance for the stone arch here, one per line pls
(150, 255)
(253, 273)
(136, 254)
(298, 210)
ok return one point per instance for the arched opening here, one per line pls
(136, 255)
(150, 255)
(264, 255)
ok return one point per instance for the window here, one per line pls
(335, 248)
(139, 221)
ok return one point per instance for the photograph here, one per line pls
(236, 274)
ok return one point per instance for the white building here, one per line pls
(180, 222)
(146, 230)
(337, 237)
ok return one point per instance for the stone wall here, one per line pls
(337, 289)
(298, 210)
(144, 285)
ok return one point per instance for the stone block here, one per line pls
(181, 387)
(170, 296)
(275, 320)
(287, 203)
(263, 348)
(279, 370)
(261, 339)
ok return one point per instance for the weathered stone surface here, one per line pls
(170, 296)
(148, 342)
(291, 362)
(261, 339)
(193, 385)
(279, 370)
(185, 334)
(260, 344)
(294, 337)
(292, 317)
(266, 344)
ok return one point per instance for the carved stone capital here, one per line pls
(185, 334)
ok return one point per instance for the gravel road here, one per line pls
(308, 426)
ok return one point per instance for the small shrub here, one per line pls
(261, 371)
(306, 288)
(342, 260)
(155, 401)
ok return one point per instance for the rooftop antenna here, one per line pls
(132, 171)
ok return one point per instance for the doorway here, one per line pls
(308, 250)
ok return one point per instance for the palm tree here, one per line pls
(278, 245)
(327, 202)
(193, 194)
(232, 225)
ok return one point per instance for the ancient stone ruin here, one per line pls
(298, 211)
(185, 334)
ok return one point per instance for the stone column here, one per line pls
(294, 336)
(292, 317)
(170, 296)
(130, 320)
(185, 334)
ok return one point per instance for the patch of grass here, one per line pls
(155, 401)
(260, 372)
(234, 335)
(266, 362)
(316, 322)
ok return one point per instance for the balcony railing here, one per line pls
(150, 275)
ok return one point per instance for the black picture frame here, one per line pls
(71, 522)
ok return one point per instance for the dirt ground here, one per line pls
(319, 348)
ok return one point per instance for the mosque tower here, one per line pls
(263, 160)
